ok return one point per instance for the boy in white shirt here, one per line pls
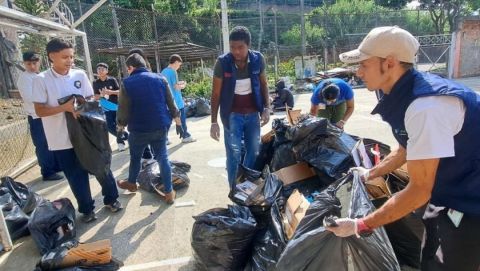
(46, 160)
(57, 82)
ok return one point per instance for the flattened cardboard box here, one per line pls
(294, 173)
(297, 206)
(89, 254)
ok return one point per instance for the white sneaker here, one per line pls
(121, 147)
(189, 139)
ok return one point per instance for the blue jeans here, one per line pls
(78, 180)
(111, 118)
(158, 142)
(244, 127)
(183, 119)
(46, 160)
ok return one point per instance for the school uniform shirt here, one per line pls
(25, 87)
(50, 86)
(110, 83)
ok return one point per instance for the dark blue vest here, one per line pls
(457, 183)
(229, 79)
(148, 106)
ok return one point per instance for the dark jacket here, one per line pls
(229, 80)
(457, 183)
(146, 103)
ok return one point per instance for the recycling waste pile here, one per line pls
(276, 221)
(197, 107)
(52, 226)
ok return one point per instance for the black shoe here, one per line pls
(114, 207)
(87, 218)
(53, 177)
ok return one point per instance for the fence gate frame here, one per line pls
(435, 41)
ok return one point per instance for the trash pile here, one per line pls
(276, 222)
(197, 107)
(52, 226)
(149, 178)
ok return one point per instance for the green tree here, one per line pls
(445, 13)
(313, 34)
(392, 4)
(32, 42)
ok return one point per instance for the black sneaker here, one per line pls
(53, 177)
(114, 207)
(87, 218)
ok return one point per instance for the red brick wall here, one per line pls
(467, 48)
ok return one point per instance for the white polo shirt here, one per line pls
(50, 86)
(25, 87)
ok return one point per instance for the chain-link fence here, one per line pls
(277, 33)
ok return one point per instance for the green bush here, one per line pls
(202, 89)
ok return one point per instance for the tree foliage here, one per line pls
(32, 42)
(393, 4)
(445, 13)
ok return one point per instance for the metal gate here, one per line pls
(433, 54)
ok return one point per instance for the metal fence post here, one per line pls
(5, 239)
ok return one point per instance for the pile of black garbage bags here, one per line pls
(250, 234)
(50, 223)
(197, 107)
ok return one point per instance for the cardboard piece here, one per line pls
(378, 188)
(90, 254)
(295, 210)
(294, 173)
(293, 115)
(267, 137)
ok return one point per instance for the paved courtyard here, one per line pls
(151, 235)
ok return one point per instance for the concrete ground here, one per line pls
(151, 235)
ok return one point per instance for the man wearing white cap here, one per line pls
(436, 123)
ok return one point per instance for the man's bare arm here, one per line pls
(314, 110)
(264, 89)
(417, 192)
(215, 100)
(393, 161)
(349, 111)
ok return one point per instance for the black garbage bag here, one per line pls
(221, 238)
(21, 194)
(15, 218)
(264, 156)
(280, 127)
(310, 127)
(52, 261)
(149, 178)
(283, 156)
(89, 136)
(202, 108)
(270, 242)
(314, 248)
(190, 107)
(261, 192)
(52, 223)
(330, 155)
(405, 234)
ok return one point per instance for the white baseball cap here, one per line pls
(382, 42)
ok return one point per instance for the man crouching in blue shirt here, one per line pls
(147, 107)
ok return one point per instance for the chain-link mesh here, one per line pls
(275, 32)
